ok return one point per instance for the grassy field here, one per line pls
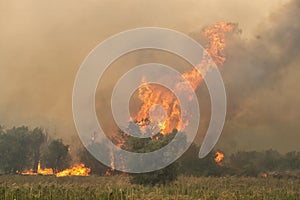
(119, 187)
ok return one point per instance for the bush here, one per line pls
(162, 176)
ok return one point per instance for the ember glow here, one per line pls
(219, 157)
(152, 94)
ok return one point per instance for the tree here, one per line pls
(270, 161)
(291, 160)
(144, 145)
(245, 163)
(91, 162)
(57, 156)
(192, 165)
(37, 139)
(15, 149)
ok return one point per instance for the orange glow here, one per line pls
(28, 172)
(263, 175)
(40, 171)
(109, 172)
(46, 171)
(151, 94)
(219, 157)
(119, 141)
(77, 170)
(112, 165)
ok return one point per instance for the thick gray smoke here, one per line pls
(262, 77)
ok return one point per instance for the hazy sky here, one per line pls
(43, 44)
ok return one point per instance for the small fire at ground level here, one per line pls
(76, 170)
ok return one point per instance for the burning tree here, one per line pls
(153, 94)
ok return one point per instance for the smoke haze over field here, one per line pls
(43, 44)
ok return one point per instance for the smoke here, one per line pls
(261, 78)
(42, 46)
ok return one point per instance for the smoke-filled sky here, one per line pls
(43, 43)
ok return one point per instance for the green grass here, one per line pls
(119, 187)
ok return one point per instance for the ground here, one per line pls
(119, 187)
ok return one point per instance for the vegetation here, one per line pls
(57, 155)
(97, 168)
(22, 148)
(145, 145)
(119, 187)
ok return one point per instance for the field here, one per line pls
(119, 187)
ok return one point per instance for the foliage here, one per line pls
(37, 139)
(242, 163)
(57, 156)
(91, 162)
(145, 145)
(20, 148)
(191, 165)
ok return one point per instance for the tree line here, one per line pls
(22, 148)
(241, 163)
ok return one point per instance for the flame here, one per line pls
(40, 171)
(219, 157)
(112, 165)
(46, 171)
(28, 172)
(119, 142)
(77, 170)
(151, 94)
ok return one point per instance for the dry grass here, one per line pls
(118, 187)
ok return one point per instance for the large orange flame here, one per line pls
(151, 94)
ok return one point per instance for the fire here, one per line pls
(40, 171)
(46, 171)
(28, 172)
(112, 165)
(151, 94)
(219, 157)
(119, 141)
(77, 170)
